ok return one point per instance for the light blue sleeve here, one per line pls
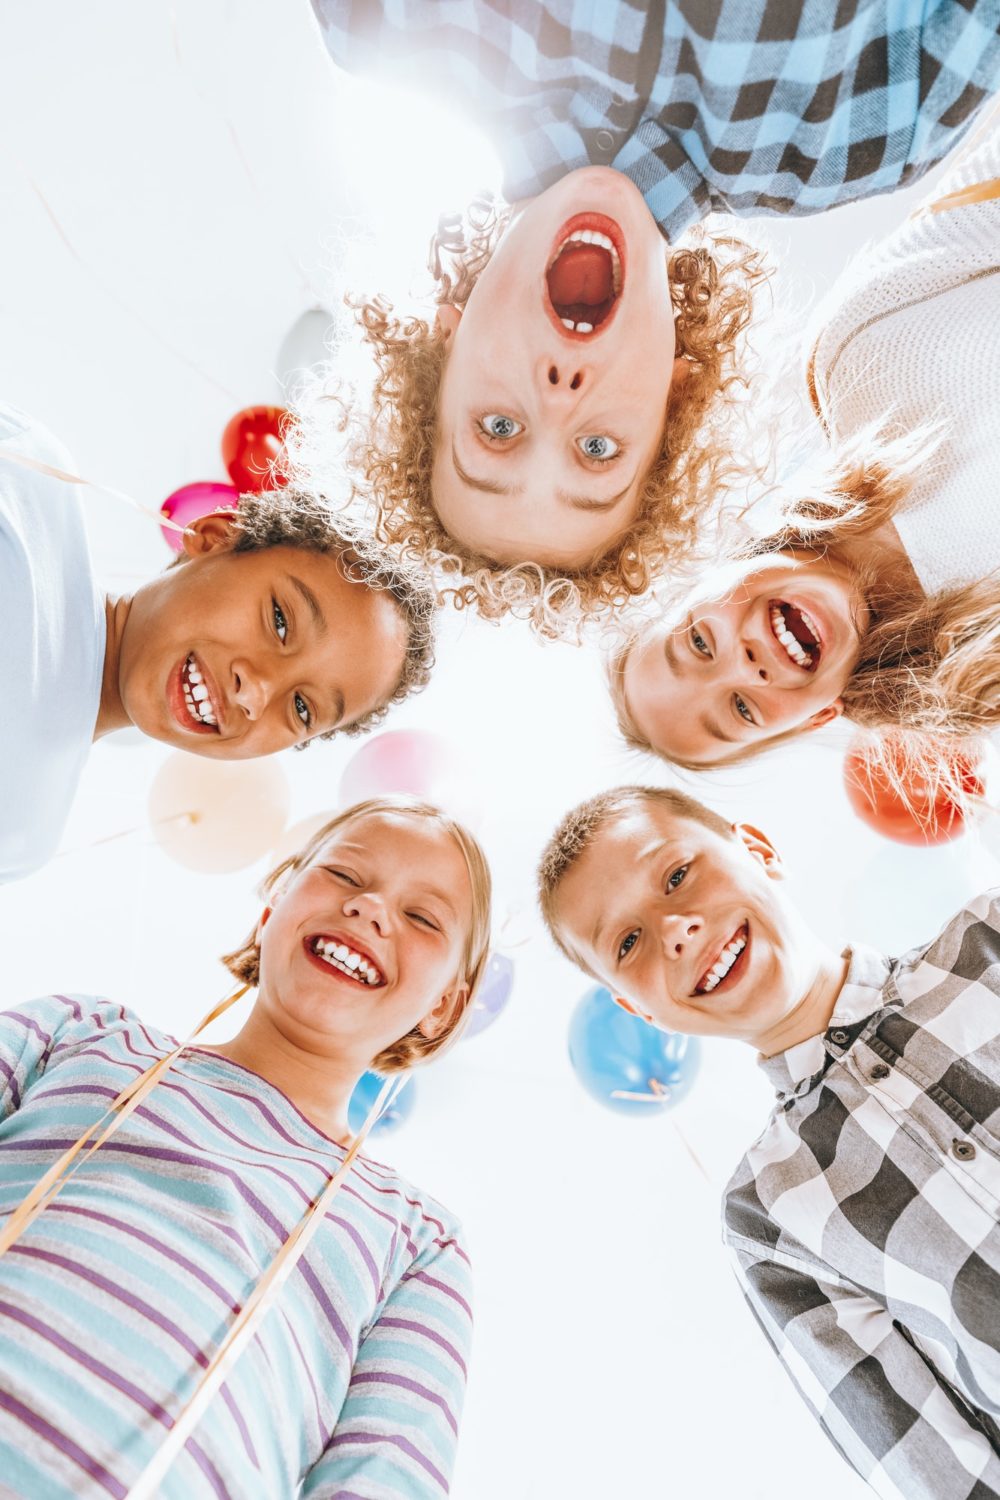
(398, 1427)
(28, 1035)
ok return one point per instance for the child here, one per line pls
(281, 624)
(559, 437)
(864, 1219)
(881, 599)
(114, 1298)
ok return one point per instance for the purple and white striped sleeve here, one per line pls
(398, 1427)
(28, 1034)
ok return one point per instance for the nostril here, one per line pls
(576, 382)
(553, 375)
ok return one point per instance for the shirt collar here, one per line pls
(795, 1070)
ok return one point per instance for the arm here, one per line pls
(883, 1405)
(398, 1428)
(28, 1034)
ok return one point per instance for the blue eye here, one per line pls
(742, 709)
(280, 623)
(499, 427)
(627, 944)
(302, 710)
(699, 642)
(599, 446)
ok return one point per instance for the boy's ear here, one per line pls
(212, 533)
(446, 320)
(761, 848)
(632, 1010)
(826, 715)
(444, 1013)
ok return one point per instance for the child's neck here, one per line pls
(811, 1016)
(111, 714)
(320, 1085)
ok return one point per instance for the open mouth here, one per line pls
(334, 952)
(728, 964)
(193, 701)
(585, 274)
(796, 633)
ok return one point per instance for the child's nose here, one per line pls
(249, 690)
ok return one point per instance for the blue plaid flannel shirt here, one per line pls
(736, 106)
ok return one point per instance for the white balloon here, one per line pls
(303, 347)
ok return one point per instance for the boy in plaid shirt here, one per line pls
(865, 1220)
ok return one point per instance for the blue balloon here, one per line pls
(614, 1054)
(366, 1091)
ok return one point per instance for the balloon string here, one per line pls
(92, 484)
(62, 1169)
(124, 833)
(263, 1296)
(113, 296)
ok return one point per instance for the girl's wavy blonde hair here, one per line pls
(713, 278)
(926, 684)
(414, 1048)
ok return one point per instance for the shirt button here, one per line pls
(604, 140)
(963, 1150)
(838, 1037)
(880, 1071)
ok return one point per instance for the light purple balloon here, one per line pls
(193, 500)
(493, 994)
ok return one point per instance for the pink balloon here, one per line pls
(411, 761)
(193, 500)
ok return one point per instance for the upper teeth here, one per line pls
(723, 963)
(592, 237)
(800, 656)
(196, 693)
(339, 956)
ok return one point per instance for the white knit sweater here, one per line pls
(910, 333)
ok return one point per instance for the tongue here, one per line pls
(798, 627)
(581, 278)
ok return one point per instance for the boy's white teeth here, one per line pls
(196, 693)
(724, 962)
(354, 965)
(799, 655)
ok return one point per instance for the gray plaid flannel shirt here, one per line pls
(865, 1221)
(738, 106)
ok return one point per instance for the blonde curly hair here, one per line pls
(713, 278)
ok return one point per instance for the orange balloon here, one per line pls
(924, 811)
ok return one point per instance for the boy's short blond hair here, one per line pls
(581, 826)
(413, 1048)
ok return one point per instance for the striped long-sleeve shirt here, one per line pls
(114, 1299)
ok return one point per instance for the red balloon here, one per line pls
(192, 501)
(251, 443)
(926, 811)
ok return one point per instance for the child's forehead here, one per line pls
(648, 821)
(381, 825)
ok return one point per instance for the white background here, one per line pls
(177, 184)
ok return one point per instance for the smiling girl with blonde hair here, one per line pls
(122, 1283)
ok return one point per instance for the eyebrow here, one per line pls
(319, 618)
(581, 502)
(715, 730)
(645, 855)
(485, 486)
(494, 487)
